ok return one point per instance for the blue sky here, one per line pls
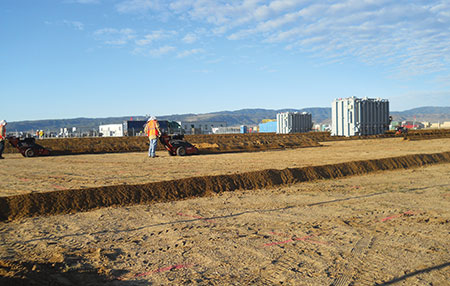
(101, 58)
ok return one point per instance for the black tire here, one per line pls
(29, 152)
(181, 151)
(171, 154)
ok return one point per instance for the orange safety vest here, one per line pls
(152, 128)
(2, 133)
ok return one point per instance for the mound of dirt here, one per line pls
(207, 144)
(215, 143)
(34, 273)
(427, 134)
(69, 201)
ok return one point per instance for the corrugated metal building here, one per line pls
(294, 122)
(268, 127)
(359, 116)
(201, 127)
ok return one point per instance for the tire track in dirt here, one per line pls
(70, 201)
(357, 254)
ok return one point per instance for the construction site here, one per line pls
(249, 209)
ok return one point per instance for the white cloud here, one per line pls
(74, 24)
(408, 37)
(161, 51)
(115, 37)
(133, 6)
(190, 38)
(188, 53)
(154, 36)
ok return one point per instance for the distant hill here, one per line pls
(426, 113)
(232, 118)
(249, 116)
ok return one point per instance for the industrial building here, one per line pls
(294, 122)
(136, 127)
(110, 130)
(268, 126)
(359, 116)
(201, 127)
(226, 130)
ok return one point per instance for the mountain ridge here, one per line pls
(247, 116)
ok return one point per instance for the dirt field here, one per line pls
(380, 229)
(19, 175)
(385, 228)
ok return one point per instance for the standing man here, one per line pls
(2, 137)
(153, 132)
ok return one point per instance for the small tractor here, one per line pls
(28, 147)
(176, 145)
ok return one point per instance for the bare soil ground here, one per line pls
(386, 228)
(19, 175)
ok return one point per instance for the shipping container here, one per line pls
(226, 130)
(359, 116)
(294, 122)
(268, 127)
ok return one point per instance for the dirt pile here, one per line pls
(427, 134)
(207, 144)
(69, 201)
(33, 273)
(215, 143)
(422, 134)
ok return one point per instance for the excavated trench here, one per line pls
(70, 201)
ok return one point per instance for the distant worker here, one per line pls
(41, 134)
(2, 137)
(153, 132)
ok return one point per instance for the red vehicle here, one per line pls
(401, 130)
(176, 145)
(28, 147)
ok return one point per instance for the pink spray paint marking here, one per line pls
(193, 216)
(59, 187)
(24, 179)
(396, 216)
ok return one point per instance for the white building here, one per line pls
(109, 130)
(294, 122)
(205, 127)
(359, 116)
(226, 130)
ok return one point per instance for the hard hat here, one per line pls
(3, 122)
(151, 118)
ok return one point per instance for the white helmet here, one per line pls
(152, 118)
(3, 123)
